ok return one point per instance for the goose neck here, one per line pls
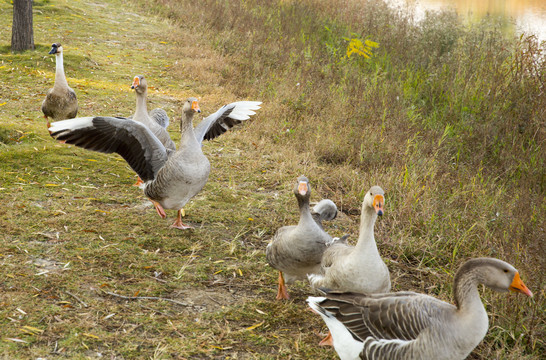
(465, 291)
(366, 239)
(187, 135)
(141, 108)
(305, 213)
(60, 78)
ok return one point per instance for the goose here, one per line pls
(325, 209)
(155, 121)
(356, 268)
(408, 325)
(60, 102)
(296, 250)
(170, 181)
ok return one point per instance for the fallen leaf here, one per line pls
(254, 326)
(17, 340)
(108, 316)
(31, 330)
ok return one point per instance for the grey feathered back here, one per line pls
(160, 116)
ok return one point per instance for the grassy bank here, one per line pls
(448, 119)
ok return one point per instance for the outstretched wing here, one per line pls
(224, 119)
(130, 139)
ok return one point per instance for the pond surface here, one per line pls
(527, 16)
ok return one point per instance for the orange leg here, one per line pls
(178, 224)
(282, 293)
(48, 125)
(159, 209)
(327, 341)
(138, 182)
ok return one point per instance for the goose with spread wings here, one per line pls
(170, 180)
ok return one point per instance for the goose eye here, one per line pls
(505, 270)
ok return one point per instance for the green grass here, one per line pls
(447, 118)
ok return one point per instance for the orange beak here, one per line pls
(195, 106)
(378, 202)
(136, 82)
(302, 188)
(518, 286)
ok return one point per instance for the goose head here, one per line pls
(302, 188)
(56, 48)
(374, 199)
(326, 208)
(191, 106)
(495, 274)
(139, 84)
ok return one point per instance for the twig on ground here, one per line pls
(77, 298)
(216, 301)
(155, 310)
(158, 279)
(145, 298)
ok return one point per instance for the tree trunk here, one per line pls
(22, 34)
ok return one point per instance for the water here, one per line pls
(528, 16)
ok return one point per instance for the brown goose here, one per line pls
(169, 181)
(408, 325)
(60, 102)
(296, 250)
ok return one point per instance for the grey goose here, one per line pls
(413, 326)
(170, 181)
(157, 120)
(296, 250)
(357, 268)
